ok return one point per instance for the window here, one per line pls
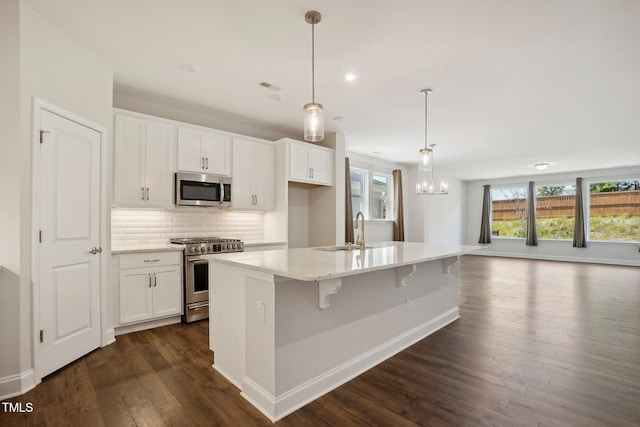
(382, 201)
(555, 211)
(371, 192)
(614, 210)
(359, 190)
(508, 212)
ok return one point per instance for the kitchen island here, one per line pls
(287, 326)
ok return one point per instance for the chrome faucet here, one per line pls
(360, 240)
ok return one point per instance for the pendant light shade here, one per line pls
(313, 122)
(313, 115)
(426, 182)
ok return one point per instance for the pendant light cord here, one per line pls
(313, 63)
(425, 119)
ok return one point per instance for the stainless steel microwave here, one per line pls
(201, 189)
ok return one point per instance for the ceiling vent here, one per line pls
(270, 86)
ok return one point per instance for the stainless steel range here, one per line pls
(196, 272)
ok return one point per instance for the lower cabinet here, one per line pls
(150, 292)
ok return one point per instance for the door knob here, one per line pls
(95, 250)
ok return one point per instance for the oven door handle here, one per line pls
(198, 261)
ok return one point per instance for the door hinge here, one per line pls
(41, 335)
(40, 236)
(42, 132)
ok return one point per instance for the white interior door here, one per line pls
(69, 209)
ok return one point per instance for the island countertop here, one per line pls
(315, 264)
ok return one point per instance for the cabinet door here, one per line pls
(241, 185)
(263, 175)
(135, 295)
(299, 163)
(167, 291)
(217, 153)
(321, 166)
(190, 156)
(159, 165)
(130, 136)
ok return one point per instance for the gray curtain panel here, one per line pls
(579, 238)
(398, 225)
(348, 209)
(532, 233)
(485, 224)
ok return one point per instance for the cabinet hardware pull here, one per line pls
(142, 193)
(152, 260)
(154, 280)
(202, 162)
(207, 162)
(95, 250)
(147, 193)
(256, 196)
(149, 279)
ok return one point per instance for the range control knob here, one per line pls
(192, 249)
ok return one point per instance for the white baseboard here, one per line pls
(109, 336)
(277, 407)
(16, 385)
(228, 377)
(608, 261)
(121, 330)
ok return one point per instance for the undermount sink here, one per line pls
(341, 248)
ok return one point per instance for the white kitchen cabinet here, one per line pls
(203, 151)
(253, 175)
(310, 164)
(144, 162)
(150, 286)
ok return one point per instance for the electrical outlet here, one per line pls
(407, 306)
(260, 311)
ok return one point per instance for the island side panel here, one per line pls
(372, 317)
(227, 320)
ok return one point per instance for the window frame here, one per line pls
(552, 184)
(512, 186)
(364, 197)
(587, 204)
(372, 170)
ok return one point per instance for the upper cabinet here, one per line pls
(203, 151)
(144, 161)
(310, 164)
(253, 175)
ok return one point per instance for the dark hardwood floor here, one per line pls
(538, 343)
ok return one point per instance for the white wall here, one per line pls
(9, 193)
(10, 136)
(601, 252)
(57, 69)
(298, 217)
(443, 215)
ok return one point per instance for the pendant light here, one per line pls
(313, 115)
(426, 182)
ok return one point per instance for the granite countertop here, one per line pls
(312, 264)
(159, 247)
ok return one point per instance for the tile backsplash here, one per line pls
(131, 227)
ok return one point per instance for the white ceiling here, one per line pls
(515, 82)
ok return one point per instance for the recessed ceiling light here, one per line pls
(339, 119)
(541, 166)
(350, 77)
(277, 97)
